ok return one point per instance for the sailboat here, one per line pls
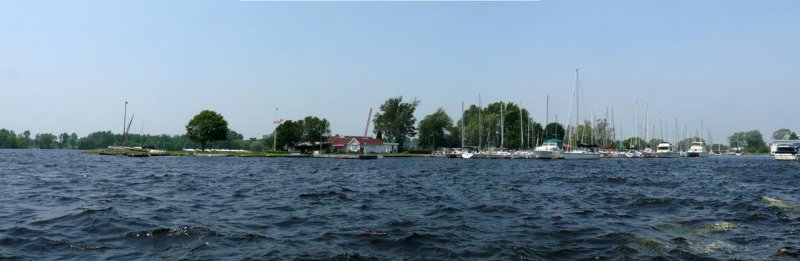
(581, 151)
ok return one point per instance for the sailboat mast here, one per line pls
(502, 125)
(521, 130)
(462, 124)
(480, 123)
(576, 107)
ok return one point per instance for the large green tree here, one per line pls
(752, 141)
(315, 129)
(433, 130)
(782, 134)
(289, 133)
(395, 121)
(207, 126)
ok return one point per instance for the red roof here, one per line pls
(343, 141)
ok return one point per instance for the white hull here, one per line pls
(633, 154)
(548, 154)
(581, 155)
(670, 154)
(785, 156)
(692, 154)
(466, 155)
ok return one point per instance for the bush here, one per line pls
(420, 151)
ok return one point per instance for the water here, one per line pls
(68, 205)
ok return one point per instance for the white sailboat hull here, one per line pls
(572, 155)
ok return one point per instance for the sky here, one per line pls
(69, 66)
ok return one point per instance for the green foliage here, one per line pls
(433, 130)
(782, 134)
(638, 142)
(10, 140)
(531, 132)
(310, 129)
(289, 133)
(420, 151)
(315, 129)
(256, 146)
(395, 121)
(751, 141)
(207, 126)
(554, 130)
(46, 141)
(793, 136)
(73, 141)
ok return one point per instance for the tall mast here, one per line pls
(521, 130)
(576, 107)
(462, 124)
(480, 123)
(502, 125)
(547, 115)
(646, 122)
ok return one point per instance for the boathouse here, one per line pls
(357, 144)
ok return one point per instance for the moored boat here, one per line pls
(664, 150)
(785, 151)
(549, 150)
(697, 149)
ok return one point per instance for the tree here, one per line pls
(207, 126)
(751, 141)
(63, 139)
(782, 134)
(554, 130)
(289, 133)
(433, 129)
(636, 141)
(396, 121)
(45, 140)
(256, 146)
(315, 129)
(793, 136)
(73, 140)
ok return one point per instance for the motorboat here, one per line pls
(548, 150)
(697, 149)
(664, 150)
(785, 151)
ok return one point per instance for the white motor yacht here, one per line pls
(664, 150)
(548, 150)
(698, 149)
(785, 152)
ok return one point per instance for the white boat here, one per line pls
(633, 152)
(548, 150)
(581, 153)
(697, 149)
(648, 152)
(785, 152)
(664, 150)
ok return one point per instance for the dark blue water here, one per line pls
(68, 205)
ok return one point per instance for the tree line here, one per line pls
(500, 124)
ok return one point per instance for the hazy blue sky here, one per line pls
(70, 65)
